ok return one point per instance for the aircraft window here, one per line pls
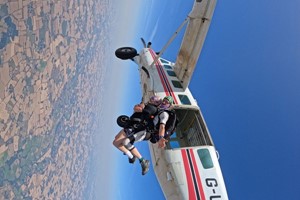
(171, 73)
(174, 144)
(184, 99)
(168, 66)
(177, 84)
(205, 158)
(164, 61)
(173, 135)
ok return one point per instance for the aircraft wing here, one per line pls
(199, 21)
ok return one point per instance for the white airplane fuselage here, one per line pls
(188, 168)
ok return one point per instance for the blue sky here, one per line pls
(247, 84)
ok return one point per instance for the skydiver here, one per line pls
(126, 137)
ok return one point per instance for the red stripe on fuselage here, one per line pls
(188, 173)
(163, 77)
(160, 75)
(197, 175)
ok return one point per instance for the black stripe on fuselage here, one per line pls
(193, 174)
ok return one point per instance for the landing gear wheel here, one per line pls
(122, 120)
(125, 53)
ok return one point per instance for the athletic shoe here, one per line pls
(145, 166)
(132, 160)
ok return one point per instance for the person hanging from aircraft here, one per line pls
(154, 121)
(135, 130)
(164, 123)
(161, 121)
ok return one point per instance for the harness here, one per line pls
(170, 126)
(139, 121)
(144, 119)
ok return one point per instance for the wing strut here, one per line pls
(170, 41)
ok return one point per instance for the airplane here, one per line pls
(188, 167)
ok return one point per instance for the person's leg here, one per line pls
(139, 136)
(125, 144)
(128, 144)
(118, 143)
